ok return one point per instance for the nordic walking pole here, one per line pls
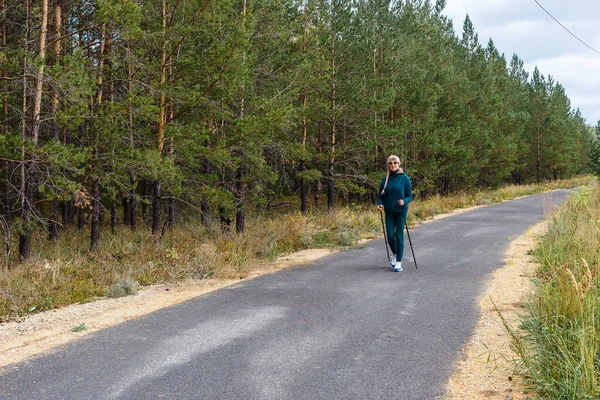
(384, 235)
(408, 234)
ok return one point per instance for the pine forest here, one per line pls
(147, 113)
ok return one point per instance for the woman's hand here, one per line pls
(400, 202)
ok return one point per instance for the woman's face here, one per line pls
(393, 166)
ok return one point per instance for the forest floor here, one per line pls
(484, 370)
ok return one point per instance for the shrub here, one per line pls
(121, 289)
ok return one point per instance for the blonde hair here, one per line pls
(387, 175)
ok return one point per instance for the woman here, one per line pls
(395, 192)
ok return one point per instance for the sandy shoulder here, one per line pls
(482, 372)
(485, 370)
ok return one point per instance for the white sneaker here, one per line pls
(398, 266)
(393, 260)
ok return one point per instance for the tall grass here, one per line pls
(560, 351)
(66, 272)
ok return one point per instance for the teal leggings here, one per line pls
(394, 225)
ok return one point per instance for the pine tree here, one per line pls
(309, 56)
(595, 151)
(31, 130)
(518, 98)
(537, 130)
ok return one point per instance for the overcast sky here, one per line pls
(522, 27)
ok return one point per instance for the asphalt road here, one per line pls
(345, 328)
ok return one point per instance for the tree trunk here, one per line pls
(303, 183)
(28, 167)
(95, 230)
(318, 184)
(5, 192)
(53, 223)
(68, 216)
(126, 202)
(80, 218)
(99, 74)
(3, 62)
(39, 78)
(330, 188)
(538, 161)
(303, 189)
(240, 214)
(162, 105)
(129, 212)
(240, 186)
(205, 211)
(24, 236)
(171, 212)
(57, 54)
(329, 172)
(156, 196)
(132, 204)
(113, 218)
(204, 206)
(24, 123)
(26, 211)
(170, 202)
(144, 198)
(6, 214)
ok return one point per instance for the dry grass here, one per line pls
(66, 272)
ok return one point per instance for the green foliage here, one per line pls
(225, 107)
(79, 327)
(594, 154)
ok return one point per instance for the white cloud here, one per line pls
(475, 7)
(523, 28)
(575, 71)
(587, 101)
(579, 75)
(514, 28)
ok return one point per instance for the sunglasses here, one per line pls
(393, 162)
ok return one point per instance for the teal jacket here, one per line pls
(398, 187)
